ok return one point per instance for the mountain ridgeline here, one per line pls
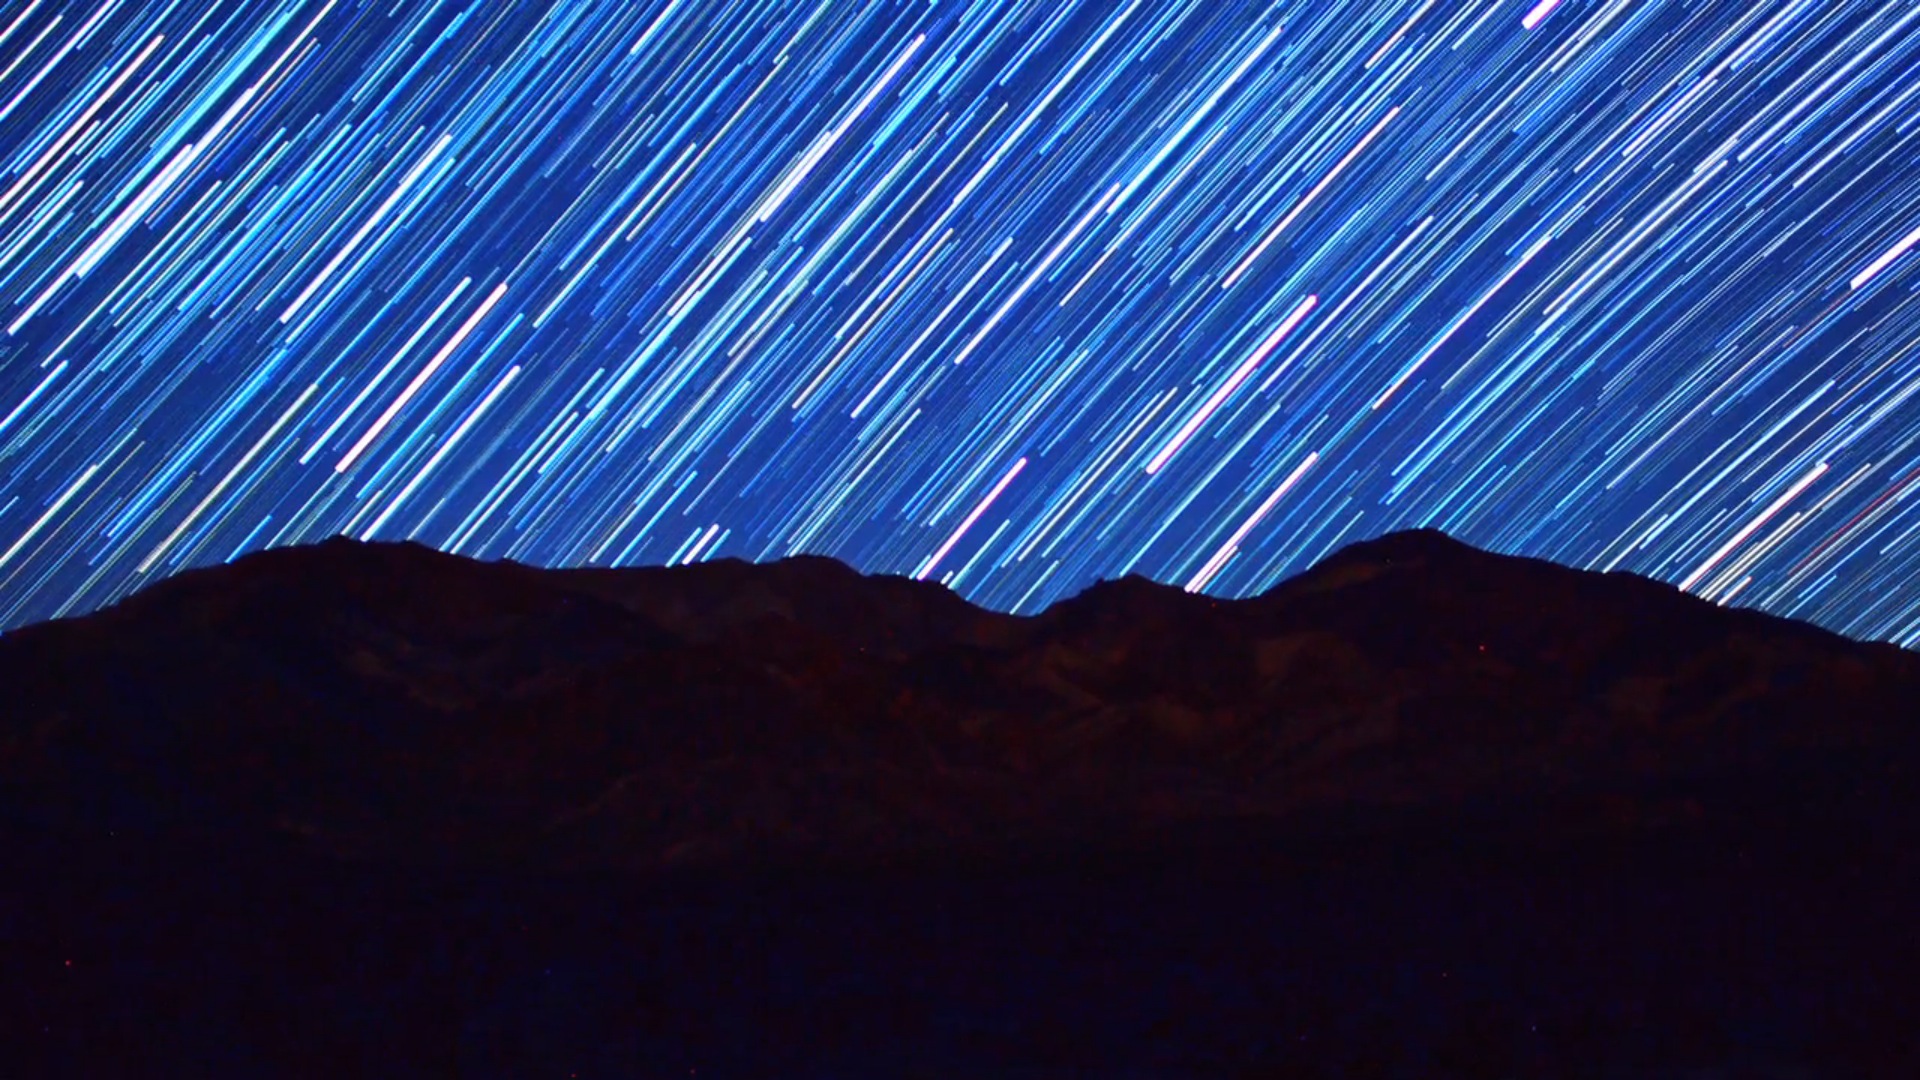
(389, 702)
(369, 809)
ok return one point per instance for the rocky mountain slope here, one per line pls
(387, 701)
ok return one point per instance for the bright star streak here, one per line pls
(1232, 547)
(934, 559)
(1753, 526)
(1226, 389)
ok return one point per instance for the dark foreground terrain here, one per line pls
(1422, 811)
(1438, 962)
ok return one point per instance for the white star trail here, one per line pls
(1015, 295)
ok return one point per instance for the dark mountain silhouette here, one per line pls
(385, 699)
(398, 730)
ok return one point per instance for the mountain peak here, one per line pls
(1407, 548)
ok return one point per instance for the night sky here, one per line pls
(1012, 295)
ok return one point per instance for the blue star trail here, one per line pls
(1010, 295)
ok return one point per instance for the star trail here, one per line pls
(1008, 294)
